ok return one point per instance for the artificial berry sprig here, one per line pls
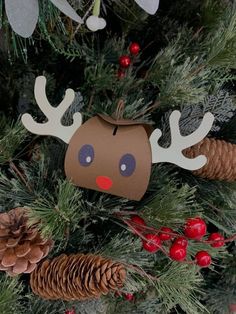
(126, 60)
(194, 229)
(150, 242)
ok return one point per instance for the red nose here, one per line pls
(104, 183)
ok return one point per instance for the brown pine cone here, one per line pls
(221, 159)
(77, 277)
(21, 247)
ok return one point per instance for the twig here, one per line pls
(195, 35)
(91, 100)
(197, 70)
(132, 225)
(143, 237)
(211, 206)
(149, 109)
(67, 235)
(83, 18)
(128, 213)
(142, 272)
(61, 214)
(20, 175)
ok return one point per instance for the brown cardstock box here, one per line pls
(111, 139)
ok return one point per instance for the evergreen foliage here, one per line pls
(187, 62)
(10, 296)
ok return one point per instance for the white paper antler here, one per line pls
(54, 114)
(23, 15)
(173, 153)
(150, 6)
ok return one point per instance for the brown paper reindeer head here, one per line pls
(113, 155)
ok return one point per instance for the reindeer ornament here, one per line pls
(113, 155)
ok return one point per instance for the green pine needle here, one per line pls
(10, 295)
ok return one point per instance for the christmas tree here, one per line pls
(97, 228)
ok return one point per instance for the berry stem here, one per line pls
(145, 228)
(142, 236)
(230, 239)
(141, 272)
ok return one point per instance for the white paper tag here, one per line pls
(94, 23)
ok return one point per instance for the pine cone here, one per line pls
(21, 247)
(221, 159)
(77, 277)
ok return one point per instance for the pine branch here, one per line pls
(211, 13)
(221, 41)
(96, 306)
(180, 284)
(36, 305)
(10, 296)
(171, 205)
(38, 181)
(221, 288)
(11, 137)
(124, 248)
(57, 215)
(218, 200)
(178, 84)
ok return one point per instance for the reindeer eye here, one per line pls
(127, 165)
(86, 155)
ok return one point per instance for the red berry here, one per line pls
(232, 308)
(120, 74)
(177, 252)
(152, 244)
(165, 235)
(129, 296)
(134, 48)
(195, 228)
(137, 221)
(70, 312)
(217, 238)
(203, 258)
(181, 241)
(124, 61)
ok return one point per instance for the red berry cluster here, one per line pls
(125, 60)
(194, 229)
